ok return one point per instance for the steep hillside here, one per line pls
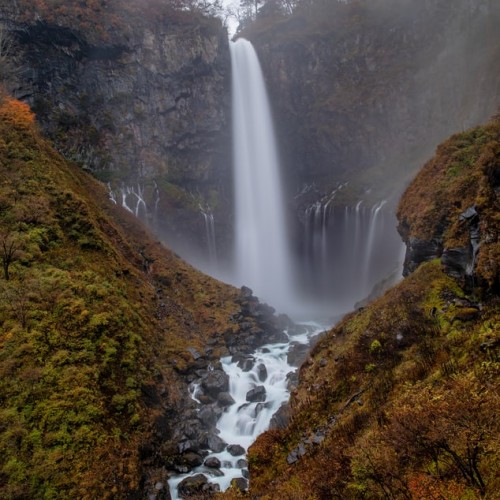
(400, 400)
(138, 94)
(98, 325)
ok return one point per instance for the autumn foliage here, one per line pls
(16, 113)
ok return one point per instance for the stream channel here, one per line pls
(258, 393)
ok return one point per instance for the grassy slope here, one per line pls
(95, 312)
(406, 391)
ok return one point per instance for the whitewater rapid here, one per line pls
(244, 421)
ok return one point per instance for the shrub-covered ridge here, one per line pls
(95, 319)
(400, 400)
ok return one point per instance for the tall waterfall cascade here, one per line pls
(262, 249)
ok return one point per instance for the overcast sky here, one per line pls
(232, 24)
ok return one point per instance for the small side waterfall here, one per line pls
(209, 219)
(133, 199)
(262, 248)
(348, 249)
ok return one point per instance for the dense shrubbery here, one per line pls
(406, 391)
(82, 330)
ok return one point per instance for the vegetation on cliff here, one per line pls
(103, 22)
(95, 320)
(401, 399)
(464, 175)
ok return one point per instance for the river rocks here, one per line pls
(215, 443)
(239, 483)
(262, 372)
(242, 463)
(212, 462)
(192, 459)
(195, 485)
(281, 418)
(235, 450)
(225, 399)
(297, 353)
(215, 382)
(257, 394)
(208, 416)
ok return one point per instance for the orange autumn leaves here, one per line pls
(16, 113)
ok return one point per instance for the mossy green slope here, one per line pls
(94, 315)
(401, 399)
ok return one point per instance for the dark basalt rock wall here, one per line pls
(148, 109)
(366, 92)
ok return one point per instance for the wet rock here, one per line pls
(189, 445)
(215, 443)
(225, 399)
(297, 354)
(455, 261)
(195, 485)
(262, 372)
(239, 483)
(242, 463)
(192, 459)
(215, 382)
(258, 408)
(278, 337)
(207, 416)
(281, 418)
(246, 363)
(212, 462)
(418, 251)
(235, 450)
(245, 473)
(293, 381)
(257, 394)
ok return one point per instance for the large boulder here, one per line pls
(256, 395)
(215, 382)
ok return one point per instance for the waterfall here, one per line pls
(209, 218)
(348, 249)
(261, 250)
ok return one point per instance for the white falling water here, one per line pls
(242, 422)
(348, 249)
(262, 258)
(209, 218)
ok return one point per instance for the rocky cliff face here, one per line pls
(146, 110)
(457, 221)
(364, 91)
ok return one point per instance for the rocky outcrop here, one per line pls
(146, 110)
(456, 221)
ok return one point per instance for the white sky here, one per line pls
(232, 24)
